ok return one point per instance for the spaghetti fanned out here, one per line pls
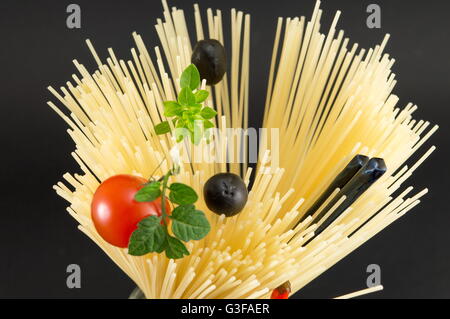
(329, 102)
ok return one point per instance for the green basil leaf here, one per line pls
(172, 108)
(201, 96)
(175, 249)
(180, 123)
(208, 113)
(189, 223)
(208, 124)
(148, 193)
(186, 97)
(190, 78)
(150, 236)
(182, 194)
(194, 109)
(190, 125)
(198, 118)
(162, 128)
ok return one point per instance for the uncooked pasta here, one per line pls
(328, 101)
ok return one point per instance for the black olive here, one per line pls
(210, 59)
(225, 193)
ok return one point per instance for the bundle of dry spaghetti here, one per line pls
(329, 102)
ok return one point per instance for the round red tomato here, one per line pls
(114, 211)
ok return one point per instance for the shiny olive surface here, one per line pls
(210, 59)
(225, 193)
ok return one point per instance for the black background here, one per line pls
(38, 239)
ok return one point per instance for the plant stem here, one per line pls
(163, 196)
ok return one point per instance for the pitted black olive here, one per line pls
(225, 193)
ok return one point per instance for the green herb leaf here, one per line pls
(182, 194)
(172, 108)
(208, 124)
(188, 108)
(149, 237)
(194, 109)
(189, 223)
(186, 97)
(201, 95)
(190, 78)
(190, 124)
(208, 113)
(162, 128)
(148, 193)
(175, 249)
(180, 123)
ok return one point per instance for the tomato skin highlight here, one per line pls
(114, 211)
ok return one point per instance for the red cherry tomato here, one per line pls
(281, 292)
(277, 295)
(114, 211)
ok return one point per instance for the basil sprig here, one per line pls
(188, 223)
(189, 116)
